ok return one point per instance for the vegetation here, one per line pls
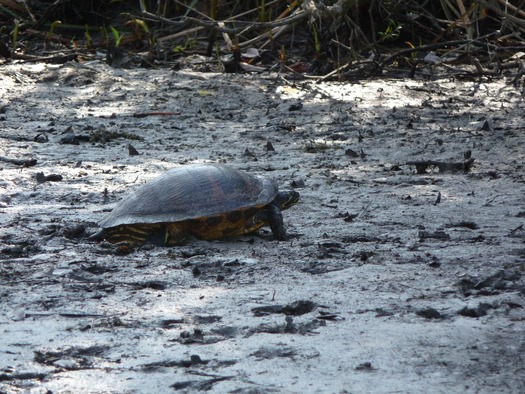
(325, 37)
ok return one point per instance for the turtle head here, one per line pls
(285, 199)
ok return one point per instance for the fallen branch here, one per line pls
(344, 68)
(22, 376)
(58, 59)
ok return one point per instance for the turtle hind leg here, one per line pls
(132, 234)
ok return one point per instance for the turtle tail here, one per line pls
(98, 236)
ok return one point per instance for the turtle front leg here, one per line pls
(275, 220)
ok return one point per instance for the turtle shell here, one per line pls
(192, 194)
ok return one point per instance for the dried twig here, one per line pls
(54, 59)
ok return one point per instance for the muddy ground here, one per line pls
(397, 279)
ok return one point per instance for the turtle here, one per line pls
(205, 201)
